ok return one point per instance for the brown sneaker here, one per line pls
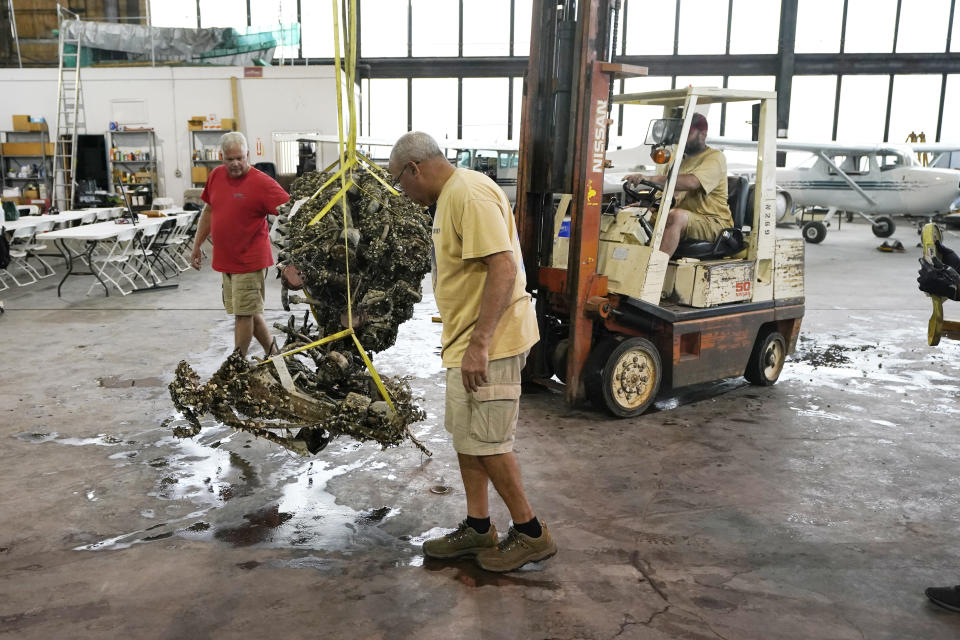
(464, 541)
(516, 550)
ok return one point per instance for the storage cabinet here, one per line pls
(133, 163)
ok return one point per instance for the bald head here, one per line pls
(419, 167)
(415, 146)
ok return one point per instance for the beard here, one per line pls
(694, 147)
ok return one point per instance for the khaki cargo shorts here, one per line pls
(243, 293)
(700, 227)
(484, 423)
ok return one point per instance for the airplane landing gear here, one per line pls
(883, 226)
(814, 232)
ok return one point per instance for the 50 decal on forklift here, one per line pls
(743, 288)
(599, 135)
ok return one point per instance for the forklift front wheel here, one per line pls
(814, 232)
(766, 361)
(626, 381)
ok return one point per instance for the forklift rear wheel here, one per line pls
(766, 361)
(627, 381)
(883, 226)
(814, 232)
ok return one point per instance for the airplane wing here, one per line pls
(784, 144)
(933, 147)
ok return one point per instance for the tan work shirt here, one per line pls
(710, 200)
(474, 220)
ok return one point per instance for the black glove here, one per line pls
(939, 279)
(949, 256)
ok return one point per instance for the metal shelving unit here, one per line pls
(40, 164)
(204, 153)
(133, 162)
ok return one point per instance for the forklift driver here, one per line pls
(701, 211)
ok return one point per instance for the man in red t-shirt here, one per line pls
(238, 200)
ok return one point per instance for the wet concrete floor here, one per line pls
(820, 507)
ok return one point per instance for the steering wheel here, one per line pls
(650, 199)
(646, 183)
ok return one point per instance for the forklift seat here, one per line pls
(730, 241)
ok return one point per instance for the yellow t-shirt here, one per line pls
(474, 220)
(710, 200)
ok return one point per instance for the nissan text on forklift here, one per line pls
(644, 322)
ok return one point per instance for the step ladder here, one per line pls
(13, 31)
(71, 118)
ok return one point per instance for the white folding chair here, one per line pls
(112, 266)
(104, 214)
(34, 246)
(140, 259)
(89, 217)
(18, 256)
(175, 245)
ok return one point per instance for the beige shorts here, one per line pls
(243, 292)
(484, 423)
(700, 227)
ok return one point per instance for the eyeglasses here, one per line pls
(396, 183)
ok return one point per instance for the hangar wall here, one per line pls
(285, 99)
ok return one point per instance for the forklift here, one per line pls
(620, 321)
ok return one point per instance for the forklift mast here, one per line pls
(563, 141)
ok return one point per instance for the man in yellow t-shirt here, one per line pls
(489, 326)
(701, 211)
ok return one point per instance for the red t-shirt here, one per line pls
(238, 224)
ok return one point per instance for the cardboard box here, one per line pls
(199, 174)
(34, 149)
(195, 123)
(226, 124)
(29, 194)
(23, 123)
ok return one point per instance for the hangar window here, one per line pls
(384, 28)
(316, 30)
(694, 15)
(486, 28)
(436, 27)
(174, 13)
(923, 27)
(435, 107)
(223, 13)
(818, 26)
(754, 26)
(650, 32)
(870, 25)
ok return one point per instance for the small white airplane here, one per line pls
(873, 181)
(499, 160)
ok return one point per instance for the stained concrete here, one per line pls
(820, 507)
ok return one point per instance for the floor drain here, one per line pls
(439, 489)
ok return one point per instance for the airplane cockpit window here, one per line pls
(888, 159)
(809, 162)
(851, 165)
(509, 159)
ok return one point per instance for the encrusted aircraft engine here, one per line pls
(375, 254)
